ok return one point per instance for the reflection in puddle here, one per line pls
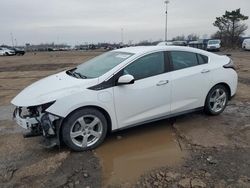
(139, 150)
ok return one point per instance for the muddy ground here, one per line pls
(194, 150)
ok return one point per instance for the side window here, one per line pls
(182, 60)
(202, 59)
(147, 66)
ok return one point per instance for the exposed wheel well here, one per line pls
(104, 112)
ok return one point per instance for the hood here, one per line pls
(50, 89)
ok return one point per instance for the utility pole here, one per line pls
(122, 35)
(166, 26)
(11, 35)
(15, 43)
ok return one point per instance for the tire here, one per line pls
(216, 100)
(84, 129)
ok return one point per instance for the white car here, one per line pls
(246, 44)
(124, 88)
(6, 51)
(213, 45)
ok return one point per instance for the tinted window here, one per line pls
(149, 65)
(202, 59)
(182, 60)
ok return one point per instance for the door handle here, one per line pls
(205, 71)
(162, 82)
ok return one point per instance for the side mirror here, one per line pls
(126, 79)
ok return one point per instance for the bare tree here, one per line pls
(180, 38)
(193, 37)
(230, 26)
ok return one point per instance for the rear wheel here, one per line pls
(85, 129)
(216, 100)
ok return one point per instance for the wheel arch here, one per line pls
(103, 111)
(225, 85)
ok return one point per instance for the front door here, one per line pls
(150, 95)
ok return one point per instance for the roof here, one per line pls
(146, 49)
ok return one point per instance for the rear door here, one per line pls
(190, 80)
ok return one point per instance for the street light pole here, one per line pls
(166, 26)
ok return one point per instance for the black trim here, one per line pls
(112, 82)
(161, 118)
(169, 61)
(104, 85)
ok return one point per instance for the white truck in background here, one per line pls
(246, 44)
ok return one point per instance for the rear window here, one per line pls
(202, 59)
(182, 59)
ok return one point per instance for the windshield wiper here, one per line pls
(78, 75)
(75, 74)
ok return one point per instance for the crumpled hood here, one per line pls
(50, 89)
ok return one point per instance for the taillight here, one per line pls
(230, 65)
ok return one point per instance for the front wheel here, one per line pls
(85, 129)
(216, 100)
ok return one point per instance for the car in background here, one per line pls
(214, 45)
(18, 51)
(165, 43)
(123, 88)
(6, 52)
(246, 44)
(180, 43)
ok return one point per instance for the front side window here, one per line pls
(98, 66)
(182, 60)
(147, 66)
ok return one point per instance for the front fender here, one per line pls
(64, 106)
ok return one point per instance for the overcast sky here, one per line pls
(79, 21)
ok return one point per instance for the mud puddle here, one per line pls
(128, 154)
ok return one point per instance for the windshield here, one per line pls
(213, 42)
(99, 65)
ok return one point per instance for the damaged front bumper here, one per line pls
(38, 122)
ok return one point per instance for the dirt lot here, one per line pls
(194, 150)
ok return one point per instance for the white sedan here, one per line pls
(6, 51)
(124, 88)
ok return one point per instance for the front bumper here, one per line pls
(46, 125)
(25, 122)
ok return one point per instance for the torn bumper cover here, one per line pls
(38, 122)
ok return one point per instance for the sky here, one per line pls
(79, 21)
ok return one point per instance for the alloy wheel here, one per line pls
(86, 131)
(217, 100)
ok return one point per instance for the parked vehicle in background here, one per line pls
(180, 43)
(214, 45)
(123, 88)
(6, 51)
(18, 51)
(165, 43)
(246, 44)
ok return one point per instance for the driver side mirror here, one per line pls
(126, 79)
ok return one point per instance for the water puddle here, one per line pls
(128, 154)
